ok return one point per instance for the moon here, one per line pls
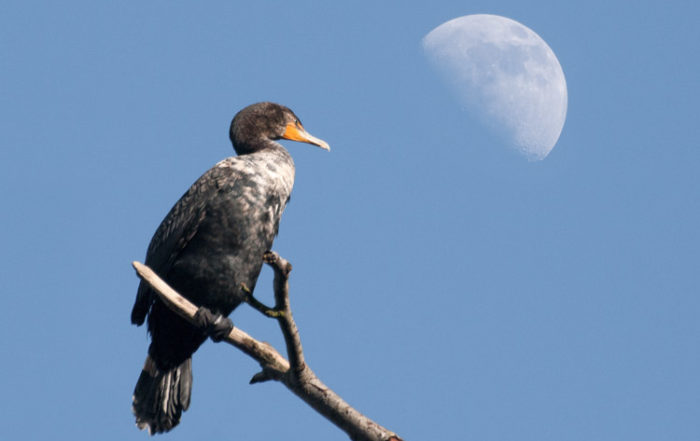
(506, 75)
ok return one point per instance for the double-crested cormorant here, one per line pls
(210, 243)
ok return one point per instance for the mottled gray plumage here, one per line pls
(211, 242)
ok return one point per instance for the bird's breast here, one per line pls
(255, 192)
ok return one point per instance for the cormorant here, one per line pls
(211, 242)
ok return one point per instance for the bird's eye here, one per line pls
(297, 123)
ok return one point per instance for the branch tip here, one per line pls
(261, 377)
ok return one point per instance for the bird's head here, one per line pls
(259, 124)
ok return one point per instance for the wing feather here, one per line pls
(179, 227)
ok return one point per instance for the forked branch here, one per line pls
(299, 379)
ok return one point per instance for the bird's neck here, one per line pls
(255, 146)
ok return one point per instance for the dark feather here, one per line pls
(176, 231)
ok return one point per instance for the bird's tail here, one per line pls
(160, 396)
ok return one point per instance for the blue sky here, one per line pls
(443, 285)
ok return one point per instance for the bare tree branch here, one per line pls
(300, 379)
(289, 329)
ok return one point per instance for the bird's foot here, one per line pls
(270, 257)
(279, 264)
(216, 326)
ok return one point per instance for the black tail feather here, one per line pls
(160, 397)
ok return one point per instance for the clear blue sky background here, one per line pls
(443, 285)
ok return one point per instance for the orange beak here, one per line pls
(296, 132)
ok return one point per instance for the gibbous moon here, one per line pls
(506, 75)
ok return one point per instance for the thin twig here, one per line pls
(289, 329)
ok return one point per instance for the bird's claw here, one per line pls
(216, 326)
(270, 257)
